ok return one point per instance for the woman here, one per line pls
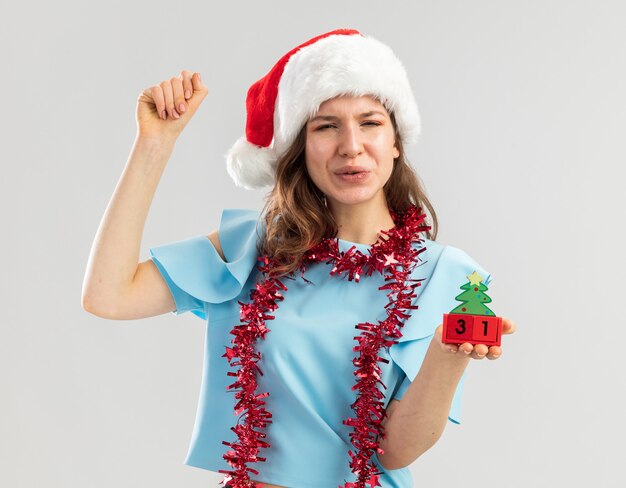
(324, 310)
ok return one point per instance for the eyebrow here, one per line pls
(332, 117)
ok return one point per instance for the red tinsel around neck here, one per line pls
(397, 257)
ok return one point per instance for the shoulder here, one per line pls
(436, 250)
(432, 250)
(445, 260)
(214, 237)
(238, 227)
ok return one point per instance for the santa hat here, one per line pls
(340, 62)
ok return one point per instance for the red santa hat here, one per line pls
(340, 62)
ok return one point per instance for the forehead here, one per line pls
(350, 103)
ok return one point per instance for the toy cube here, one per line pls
(457, 328)
(487, 330)
(475, 329)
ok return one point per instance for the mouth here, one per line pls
(352, 170)
(354, 176)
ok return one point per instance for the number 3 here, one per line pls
(461, 323)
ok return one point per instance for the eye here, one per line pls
(372, 123)
(325, 126)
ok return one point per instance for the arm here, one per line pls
(115, 286)
(415, 423)
(115, 251)
(419, 419)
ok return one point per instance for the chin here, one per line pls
(353, 197)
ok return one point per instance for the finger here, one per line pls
(449, 348)
(147, 94)
(466, 349)
(187, 84)
(508, 326)
(480, 351)
(197, 82)
(168, 95)
(494, 352)
(179, 96)
(159, 101)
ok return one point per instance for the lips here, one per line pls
(351, 169)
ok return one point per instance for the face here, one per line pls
(355, 134)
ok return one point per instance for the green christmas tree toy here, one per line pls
(472, 321)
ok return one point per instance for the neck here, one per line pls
(361, 222)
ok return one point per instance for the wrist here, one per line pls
(155, 141)
(447, 359)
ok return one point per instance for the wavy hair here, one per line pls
(295, 213)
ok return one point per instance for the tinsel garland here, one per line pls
(397, 257)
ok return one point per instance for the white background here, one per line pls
(522, 154)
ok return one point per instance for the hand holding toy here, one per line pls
(472, 328)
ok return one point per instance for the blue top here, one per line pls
(306, 358)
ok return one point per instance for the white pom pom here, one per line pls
(250, 166)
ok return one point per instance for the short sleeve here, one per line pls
(195, 272)
(446, 268)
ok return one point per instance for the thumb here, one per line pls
(199, 93)
(198, 87)
(508, 326)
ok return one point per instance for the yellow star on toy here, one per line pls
(390, 259)
(475, 278)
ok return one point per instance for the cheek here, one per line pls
(314, 156)
(384, 142)
(310, 163)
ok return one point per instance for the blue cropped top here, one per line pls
(306, 358)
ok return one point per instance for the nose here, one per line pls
(350, 143)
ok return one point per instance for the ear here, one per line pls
(396, 152)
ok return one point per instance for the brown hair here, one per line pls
(296, 216)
